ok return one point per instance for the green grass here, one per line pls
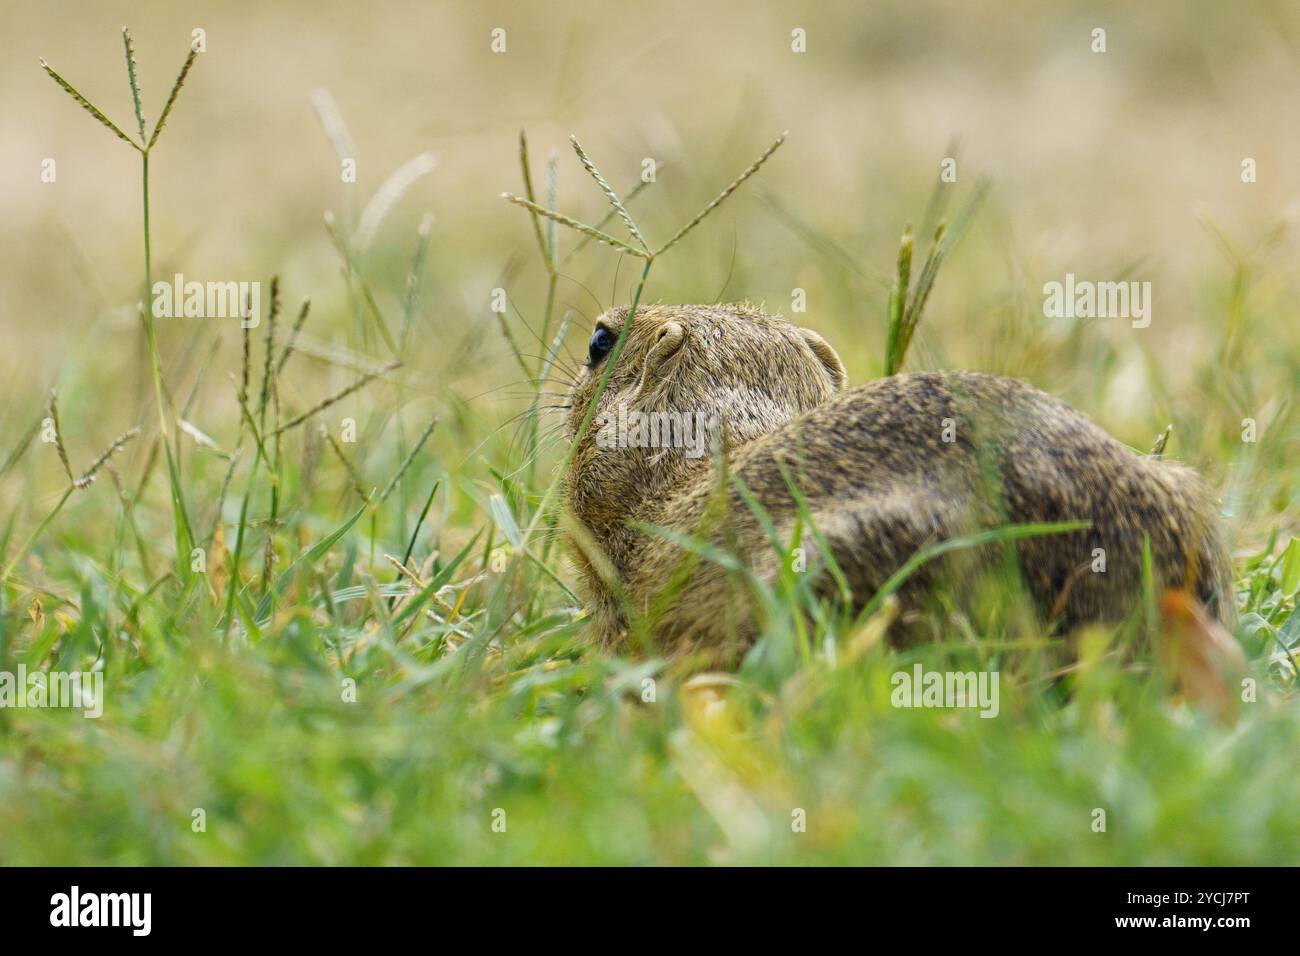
(257, 735)
(321, 706)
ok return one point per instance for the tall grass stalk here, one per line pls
(184, 535)
(31, 538)
(74, 484)
(642, 251)
(546, 246)
(907, 303)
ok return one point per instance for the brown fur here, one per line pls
(875, 472)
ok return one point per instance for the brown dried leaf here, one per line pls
(1199, 656)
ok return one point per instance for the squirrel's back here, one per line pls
(887, 468)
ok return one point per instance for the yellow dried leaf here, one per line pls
(36, 611)
(218, 572)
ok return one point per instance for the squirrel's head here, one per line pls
(683, 377)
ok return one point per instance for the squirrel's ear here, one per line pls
(667, 342)
(821, 348)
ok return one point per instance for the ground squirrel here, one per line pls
(883, 469)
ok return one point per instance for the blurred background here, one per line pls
(1125, 164)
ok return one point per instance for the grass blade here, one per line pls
(332, 123)
(1011, 532)
(388, 195)
(31, 539)
(134, 80)
(581, 227)
(439, 579)
(88, 106)
(419, 523)
(354, 273)
(58, 436)
(88, 477)
(308, 559)
(894, 349)
(547, 253)
(601, 223)
(415, 450)
(20, 448)
(339, 396)
(171, 97)
(414, 280)
(721, 197)
(293, 334)
(608, 190)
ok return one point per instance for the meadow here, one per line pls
(315, 560)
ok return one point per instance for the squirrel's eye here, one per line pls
(601, 343)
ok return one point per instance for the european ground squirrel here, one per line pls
(883, 469)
